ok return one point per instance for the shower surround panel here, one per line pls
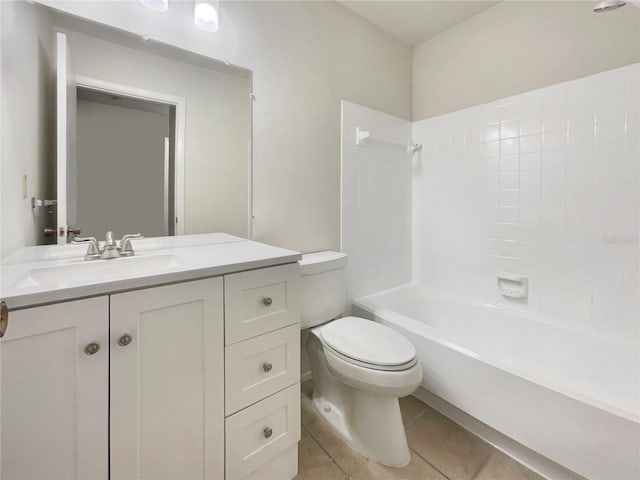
(543, 184)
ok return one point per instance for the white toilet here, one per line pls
(360, 368)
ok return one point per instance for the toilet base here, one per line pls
(374, 428)
(369, 423)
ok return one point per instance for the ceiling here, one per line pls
(415, 21)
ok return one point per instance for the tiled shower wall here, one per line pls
(543, 184)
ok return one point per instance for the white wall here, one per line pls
(120, 171)
(306, 57)
(517, 46)
(217, 130)
(27, 127)
(376, 201)
(544, 184)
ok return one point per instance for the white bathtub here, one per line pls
(571, 397)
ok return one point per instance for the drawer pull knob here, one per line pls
(124, 340)
(267, 367)
(267, 301)
(92, 348)
(267, 432)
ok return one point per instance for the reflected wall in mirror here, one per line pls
(123, 142)
(139, 135)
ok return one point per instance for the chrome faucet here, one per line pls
(111, 249)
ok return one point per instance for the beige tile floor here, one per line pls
(440, 450)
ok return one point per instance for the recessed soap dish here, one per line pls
(513, 285)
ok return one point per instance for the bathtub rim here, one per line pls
(368, 304)
(473, 302)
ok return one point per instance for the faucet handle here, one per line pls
(93, 251)
(126, 248)
(85, 240)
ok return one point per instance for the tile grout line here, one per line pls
(484, 464)
(415, 419)
(430, 464)
(310, 423)
(411, 422)
(333, 460)
(477, 472)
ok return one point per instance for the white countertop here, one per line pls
(192, 257)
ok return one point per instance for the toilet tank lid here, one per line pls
(322, 262)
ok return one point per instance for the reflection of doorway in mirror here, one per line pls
(126, 162)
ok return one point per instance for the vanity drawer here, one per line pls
(260, 301)
(261, 432)
(283, 467)
(261, 366)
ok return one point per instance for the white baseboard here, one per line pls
(305, 376)
(540, 464)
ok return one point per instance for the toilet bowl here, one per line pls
(359, 367)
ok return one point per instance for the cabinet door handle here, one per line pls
(267, 301)
(92, 348)
(124, 340)
(4, 318)
(267, 432)
(266, 366)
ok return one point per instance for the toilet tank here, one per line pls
(323, 287)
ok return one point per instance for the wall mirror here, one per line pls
(145, 137)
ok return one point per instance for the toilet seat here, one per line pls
(373, 366)
(391, 383)
(368, 344)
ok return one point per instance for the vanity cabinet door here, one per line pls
(55, 373)
(167, 382)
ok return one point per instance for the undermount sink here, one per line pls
(83, 272)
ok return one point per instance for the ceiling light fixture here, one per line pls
(205, 15)
(156, 5)
(608, 5)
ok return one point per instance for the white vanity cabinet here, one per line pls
(192, 380)
(55, 410)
